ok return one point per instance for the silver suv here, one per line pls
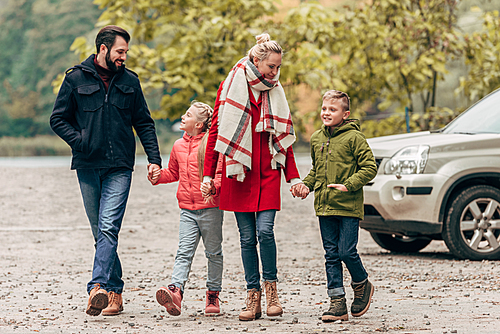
(440, 185)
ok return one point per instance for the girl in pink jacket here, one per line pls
(199, 217)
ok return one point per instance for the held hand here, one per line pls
(207, 189)
(299, 190)
(340, 187)
(154, 172)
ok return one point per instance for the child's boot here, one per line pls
(337, 310)
(253, 310)
(171, 298)
(212, 303)
(363, 293)
(273, 304)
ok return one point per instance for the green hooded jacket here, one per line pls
(342, 157)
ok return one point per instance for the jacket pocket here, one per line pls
(90, 98)
(341, 200)
(123, 97)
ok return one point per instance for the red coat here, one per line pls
(183, 167)
(261, 189)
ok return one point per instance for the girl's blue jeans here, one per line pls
(207, 225)
(340, 238)
(253, 227)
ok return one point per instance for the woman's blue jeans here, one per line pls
(207, 224)
(105, 193)
(253, 227)
(340, 238)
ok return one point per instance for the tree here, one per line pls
(183, 50)
(483, 58)
(36, 35)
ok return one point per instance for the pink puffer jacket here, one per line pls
(183, 167)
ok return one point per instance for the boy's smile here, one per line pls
(332, 113)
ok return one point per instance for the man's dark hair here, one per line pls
(107, 36)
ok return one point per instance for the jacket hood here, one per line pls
(348, 125)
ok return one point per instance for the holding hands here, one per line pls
(154, 173)
(208, 190)
(299, 190)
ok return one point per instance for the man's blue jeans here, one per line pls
(207, 224)
(259, 226)
(340, 238)
(105, 192)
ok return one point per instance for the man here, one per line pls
(97, 106)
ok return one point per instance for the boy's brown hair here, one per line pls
(338, 95)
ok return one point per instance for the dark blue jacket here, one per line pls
(98, 125)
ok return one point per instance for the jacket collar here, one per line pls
(187, 137)
(88, 65)
(347, 125)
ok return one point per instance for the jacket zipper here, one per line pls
(326, 173)
(189, 174)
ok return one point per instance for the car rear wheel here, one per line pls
(400, 244)
(472, 225)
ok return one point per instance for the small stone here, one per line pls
(428, 323)
(245, 329)
(131, 324)
(425, 316)
(295, 320)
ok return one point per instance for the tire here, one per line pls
(472, 225)
(399, 244)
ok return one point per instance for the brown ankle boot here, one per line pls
(253, 310)
(115, 304)
(273, 304)
(98, 300)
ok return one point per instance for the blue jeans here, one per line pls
(340, 237)
(259, 226)
(207, 224)
(105, 193)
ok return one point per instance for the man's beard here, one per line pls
(111, 65)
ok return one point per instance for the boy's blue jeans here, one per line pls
(105, 193)
(259, 226)
(340, 238)
(207, 224)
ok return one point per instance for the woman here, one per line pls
(252, 128)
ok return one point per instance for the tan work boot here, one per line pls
(273, 304)
(253, 310)
(115, 304)
(98, 300)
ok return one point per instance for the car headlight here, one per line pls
(409, 160)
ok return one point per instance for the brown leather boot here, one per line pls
(253, 310)
(273, 304)
(115, 304)
(98, 300)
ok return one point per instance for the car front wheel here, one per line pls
(472, 225)
(400, 244)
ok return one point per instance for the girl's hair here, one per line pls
(205, 113)
(338, 95)
(264, 47)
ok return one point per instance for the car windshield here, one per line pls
(483, 117)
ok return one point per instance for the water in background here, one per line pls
(58, 161)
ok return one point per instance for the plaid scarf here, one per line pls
(234, 139)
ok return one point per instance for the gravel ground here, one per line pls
(46, 254)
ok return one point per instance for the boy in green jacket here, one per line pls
(342, 163)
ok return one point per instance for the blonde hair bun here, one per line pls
(263, 38)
